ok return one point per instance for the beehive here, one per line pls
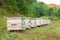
(33, 23)
(42, 22)
(27, 23)
(48, 21)
(17, 23)
(14, 23)
(38, 21)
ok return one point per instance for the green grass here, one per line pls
(47, 32)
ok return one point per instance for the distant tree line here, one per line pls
(30, 8)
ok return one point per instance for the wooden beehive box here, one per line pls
(42, 21)
(48, 21)
(38, 21)
(33, 23)
(27, 23)
(14, 23)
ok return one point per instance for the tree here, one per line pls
(23, 5)
(50, 11)
(58, 12)
(40, 9)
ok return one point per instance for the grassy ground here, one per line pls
(47, 32)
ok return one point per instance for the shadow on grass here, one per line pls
(21, 31)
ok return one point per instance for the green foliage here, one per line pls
(0, 4)
(38, 9)
(27, 8)
(55, 12)
(53, 18)
(23, 5)
(58, 13)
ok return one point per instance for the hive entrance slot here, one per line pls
(14, 24)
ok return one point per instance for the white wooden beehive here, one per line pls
(27, 24)
(45, 21)
(14, 24)
(42, 22)
(33, 23)
(17, 23)
(38, 21)
(48, 21)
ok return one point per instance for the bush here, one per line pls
(53, 18)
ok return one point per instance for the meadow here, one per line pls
(34, 9)
(46, 32)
